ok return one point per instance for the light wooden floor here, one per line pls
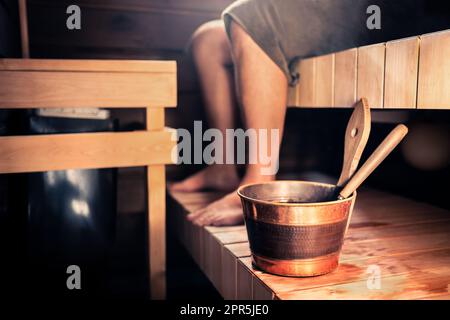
(408, 241)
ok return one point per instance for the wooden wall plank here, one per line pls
(293, 96)
(345, 78)
(84, 151)
(434, 71)
(306, 86)
(36, 89)
(402, 61)
(89, 65)
(371, 74)
(324, 81)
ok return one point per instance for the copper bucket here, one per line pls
(295, 228)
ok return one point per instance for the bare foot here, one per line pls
(224, 212)
(217, 177)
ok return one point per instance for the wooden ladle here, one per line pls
(356, 136)
(383, 150)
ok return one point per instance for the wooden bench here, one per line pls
(407, 240)
(29, 83)
(412, 73)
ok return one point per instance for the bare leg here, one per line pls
(262, 88)
(212, 56)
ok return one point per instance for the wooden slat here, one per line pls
(215, 257)
(345, 78)
(230, 255)
(157, 230)
(36, 89)
(306, 87)
(324, 81)
(434, 71)
(415, 284)
(229, 274)
(24, 35)
(261, 291)
(128, 66)
(84, 151)
(293, 96)
(156, 215)
(371, 74)
(402, 61)
(244, 290)
(207, 262)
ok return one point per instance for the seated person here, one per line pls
(263, 40)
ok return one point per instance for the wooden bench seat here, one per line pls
(411, 73)
(407, 240)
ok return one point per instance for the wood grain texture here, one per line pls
(345, 78)
(36, 89)
(402, 61)
(316, 85)
(84, 151)
(231, 254)
(261, 291)
(356, 137)
(229, 277)
(24, 35)
(407, 240)
(89, 65)
(324, 81)
(293, 96)
(244, 280)
(156, 180)
(215, 255)
(434, 71)
(156, 215)
(371, 61)
(307, 85)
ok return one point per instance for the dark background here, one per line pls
(160, 29)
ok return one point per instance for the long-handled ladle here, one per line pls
(356, 136)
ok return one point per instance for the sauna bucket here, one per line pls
(295, 228)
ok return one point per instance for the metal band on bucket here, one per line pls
(295, 242)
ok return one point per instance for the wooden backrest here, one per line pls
(30, 83)
(407, 73)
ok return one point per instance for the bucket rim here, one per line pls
(284, 204)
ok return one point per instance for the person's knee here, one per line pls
(210, 40)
